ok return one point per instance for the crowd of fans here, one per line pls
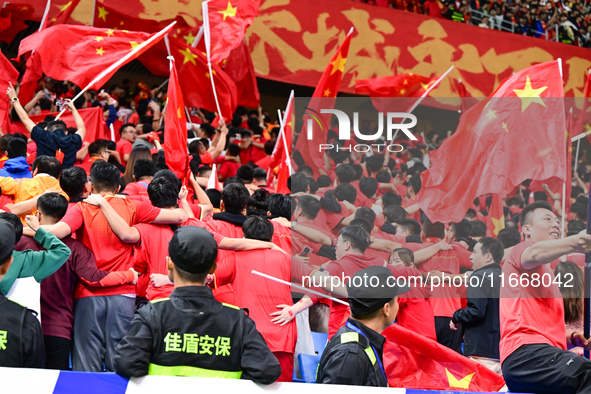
(565, 22)
(131, 243)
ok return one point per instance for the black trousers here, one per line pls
(541, 369)
(448, 337)
(57, 352)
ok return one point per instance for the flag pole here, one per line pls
(121, 61)
(198, 38)
(420, 99)
(205, 12)
(577, 155)
(45, 15)
(93, 13)
(298, 287)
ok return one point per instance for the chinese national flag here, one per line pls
(280, 158)
(583, 122)
(514, 135)
(228, 21)
(197, 90)
(175, 126)
(93, 121)
(31, 77)
(495, 221)
(62, 13)
(12, 20)
(415, 362)
(85, 52)
(7, 74)
(403, 85)
(324, 97)
(239, 67)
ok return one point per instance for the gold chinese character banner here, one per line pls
(293, 40)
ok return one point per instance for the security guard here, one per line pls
(21, 340)
(190, 333)
(354, 356)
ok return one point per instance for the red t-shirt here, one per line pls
(124, 148)
(415, 312)
(228, 169)
(532, 314)
(87, 164)
(298, 247)
(154, 239)
(281, 236)
(417, 214)
(93, 230)
(446, 299)
(346, 268)
(260, 295)
(137, 189)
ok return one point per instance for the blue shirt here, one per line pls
(48, 142)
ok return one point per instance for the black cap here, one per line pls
(6, 240)
(193, 249)
(371, 288)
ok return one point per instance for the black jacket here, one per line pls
(192, 334)
(480, 318)
(345, 359)
(21, 340)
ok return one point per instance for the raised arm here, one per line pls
(544, 252)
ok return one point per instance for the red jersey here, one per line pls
(281, 236)
(93, 230)
(532, 314)
(87, 164)
(228, 169)
(417, 215)
(346, 268)
(415, 312)
(137, 189)
(154, 239)
(446, 299)
(260, 295)
(124, 148)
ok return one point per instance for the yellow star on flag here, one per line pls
(207, 75)
(134, 44)
(587, 129)
(229, 12)
(110, 32)
(530, 95)
(402, 91)
(405, 82)
(426, 85)
(505, 127)
(103, 13)
(499, 225)
(121, 23)
(326, 93)
(463, 383)
(338, 64)
(178, 112)
(100, 51)
(65, 7)
(189, 38)
(189, 57)
(491, 114)
(99, 38)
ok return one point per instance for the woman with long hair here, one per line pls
(415, 312)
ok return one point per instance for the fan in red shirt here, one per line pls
(415, 312)
(125, 144)
(532, 314)
(446, 298)
(97, 150)
(143, 173)
(259, 295)
(350, 250)
(231, 163)
(96, 343)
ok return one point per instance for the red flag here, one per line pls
(495, 221)
(228, 21)
(415, 362)
(7, 74)
(239, 67)
(197, 91)
(582, 124)
(86, 51)
(516, 134)
(93, 121)
(12, 20)
(280, 158)
(63, 13)
(213, 182)
(403, 85)
(175, 126)
(324, 96)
